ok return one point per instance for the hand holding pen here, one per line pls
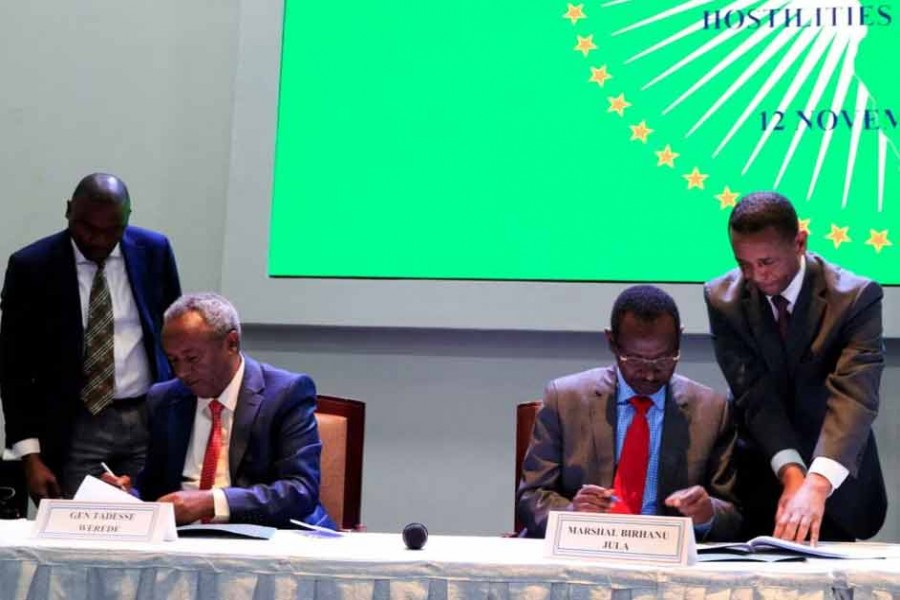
(593, 498)
(123, 482)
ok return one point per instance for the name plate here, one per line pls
(107, 521)
(645, 539)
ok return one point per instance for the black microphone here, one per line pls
(414, 536)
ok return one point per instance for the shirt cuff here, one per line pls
(784, 458)
(27, 446)
(831, 470)
(701, 530)
(223, 513)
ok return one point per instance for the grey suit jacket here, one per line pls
(574, 443)
(816, 393)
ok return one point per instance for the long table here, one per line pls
(374, 565)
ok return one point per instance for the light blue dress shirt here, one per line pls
(624, 414)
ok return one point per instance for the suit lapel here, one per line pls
(135, 266)
(673, 447)
(183, 409)
(249, 400)
(807, 313)
(66, 278)
(603, 422)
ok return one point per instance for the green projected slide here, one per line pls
(595, 141)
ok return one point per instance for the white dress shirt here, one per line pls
(828, 468)
(193, 461)
(132, 367)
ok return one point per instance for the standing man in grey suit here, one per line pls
(799, 341)
(588, 432)
(80, 340)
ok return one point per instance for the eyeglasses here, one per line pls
(663, 363)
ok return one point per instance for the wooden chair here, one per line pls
(525, 415)
(342, 424)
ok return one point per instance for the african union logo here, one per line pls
(800, 96)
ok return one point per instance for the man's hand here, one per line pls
(693, 502)
(191, 505)
(593, 498)
(123, 482)
(801, 506)
(40, 480)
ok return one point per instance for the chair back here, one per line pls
(525, 415)
(342, 425)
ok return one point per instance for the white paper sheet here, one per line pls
(95, 490)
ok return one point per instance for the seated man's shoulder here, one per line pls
(277, 381)
(687, 390)
(584, 384)
(164, 392)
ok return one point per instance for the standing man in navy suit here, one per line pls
(231, 440)
(80, 340)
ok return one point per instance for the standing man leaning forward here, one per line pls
(633, 438)
(231, 440)
(799, 341)
(79, 340)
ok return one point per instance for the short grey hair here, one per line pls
(216, 310)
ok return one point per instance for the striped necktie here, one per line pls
(99, 362)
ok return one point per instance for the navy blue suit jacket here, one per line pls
(42, 337)
(273, 454)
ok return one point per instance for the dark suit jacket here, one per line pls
(41, 335)
(574, 443)
(818, 393)
(274, 450)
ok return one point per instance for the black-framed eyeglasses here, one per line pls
(663, 363)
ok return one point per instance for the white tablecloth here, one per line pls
(371, 565)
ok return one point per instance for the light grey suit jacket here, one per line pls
(816, 393)
(574, 443)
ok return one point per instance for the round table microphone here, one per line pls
(414, 536)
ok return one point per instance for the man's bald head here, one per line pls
(102, 187)
(98, 214)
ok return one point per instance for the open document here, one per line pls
(771, 549)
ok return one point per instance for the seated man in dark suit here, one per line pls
(231, 440)
(633, 438)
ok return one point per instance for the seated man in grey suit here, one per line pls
(633, 438)
(231, 439)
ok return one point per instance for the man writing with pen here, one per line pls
(231, 439)
(633, 438)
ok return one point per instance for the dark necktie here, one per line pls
(784, 317)
(99, 362)
(631, 474)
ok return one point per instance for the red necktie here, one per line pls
(631, 474)
(784, 317)
(213, 447)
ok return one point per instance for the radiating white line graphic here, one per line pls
(823, 56)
